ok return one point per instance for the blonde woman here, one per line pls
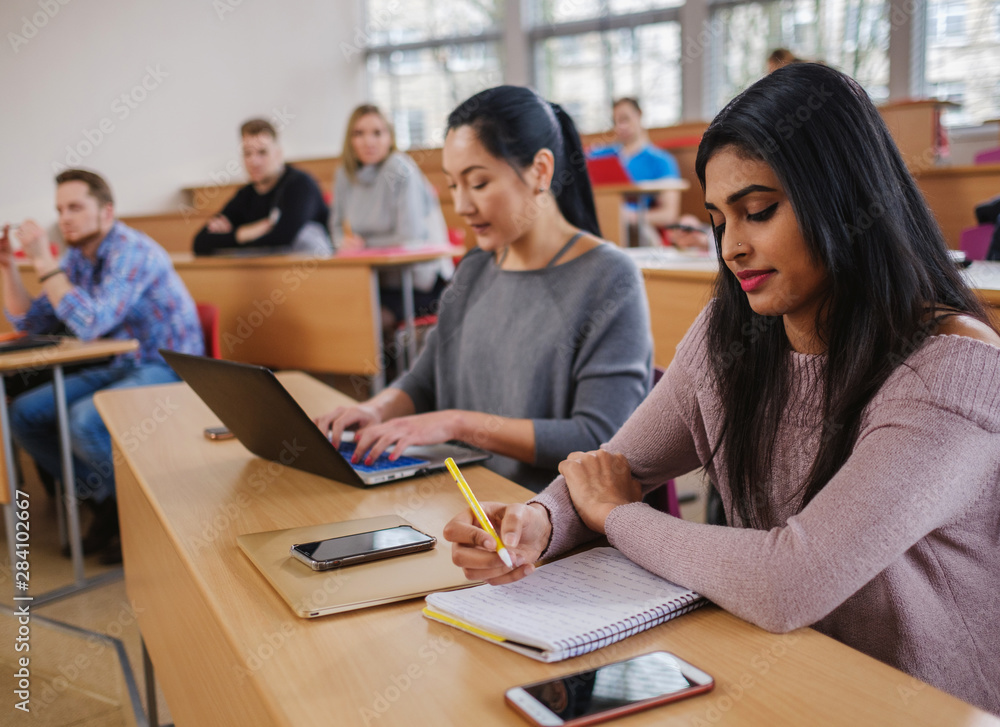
(381, 199)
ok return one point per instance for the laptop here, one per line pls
(25, 341)
(255, 407)
(607, 169)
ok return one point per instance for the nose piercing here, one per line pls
(739, 244)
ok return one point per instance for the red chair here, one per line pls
(663, 498)
(208, 315)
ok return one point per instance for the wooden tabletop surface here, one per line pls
(652, 187)
(367, 258)
(388, 665)
(70, 350)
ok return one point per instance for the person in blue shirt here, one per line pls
(646, 162)
(114, 282)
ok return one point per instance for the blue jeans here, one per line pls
(34, 424)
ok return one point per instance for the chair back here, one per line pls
(208, 316)
(990, 156)
(975, 241)
(663, 498)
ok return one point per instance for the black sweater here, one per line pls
(296, 195)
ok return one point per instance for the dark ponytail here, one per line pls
(514, 123)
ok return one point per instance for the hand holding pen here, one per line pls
(522, 530)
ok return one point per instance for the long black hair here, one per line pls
(865, 221)
(514, 123)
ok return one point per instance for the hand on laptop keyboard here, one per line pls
(382, 463)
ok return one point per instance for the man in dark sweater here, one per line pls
(282, 209)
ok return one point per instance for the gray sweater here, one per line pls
(391, 205)
(568, 347)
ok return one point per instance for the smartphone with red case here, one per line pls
(610, 691)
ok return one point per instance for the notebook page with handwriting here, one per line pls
(566, 608)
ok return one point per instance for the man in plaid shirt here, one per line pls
(114, 282)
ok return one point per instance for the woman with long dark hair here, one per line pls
(542, 345)
(842, 391)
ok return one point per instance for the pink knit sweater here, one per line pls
(898, 556)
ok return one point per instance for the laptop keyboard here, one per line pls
(382, 463)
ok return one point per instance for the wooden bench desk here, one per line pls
(228, 650)
(678, 287)
(299, 311)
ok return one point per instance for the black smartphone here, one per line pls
(610, 691)
(362, 547)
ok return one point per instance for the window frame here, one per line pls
(518, 36)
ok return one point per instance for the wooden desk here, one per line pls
(299, 311)
(952, 193)
(677, 290)
(229, 651)
(174, 231)
(54, 357)
(608, 199)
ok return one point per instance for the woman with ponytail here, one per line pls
(842, 392)
(542, 345)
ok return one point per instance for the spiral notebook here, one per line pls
(566, 608)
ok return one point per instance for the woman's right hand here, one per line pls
(524, 529)
(358, 416)
(352, 242)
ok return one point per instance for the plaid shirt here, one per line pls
(130, 290)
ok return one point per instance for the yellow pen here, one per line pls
(477, 510)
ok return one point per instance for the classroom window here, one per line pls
(394, 22)
(589, 52)
(419, 87)
(946, 22)
(553, 12)
(851, 35)
(424, 57)
(963, 59)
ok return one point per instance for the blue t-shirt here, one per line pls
(647, 164)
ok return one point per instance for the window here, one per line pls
(851, 35)
(589, 52)
(963, 59)
(946, 23)
(394, 22)
(424, 57)
(553, 12)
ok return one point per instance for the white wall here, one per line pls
(207, 65)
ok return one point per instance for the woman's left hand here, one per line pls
(598, 482)
(431, 428)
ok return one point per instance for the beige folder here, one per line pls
(312, 593)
